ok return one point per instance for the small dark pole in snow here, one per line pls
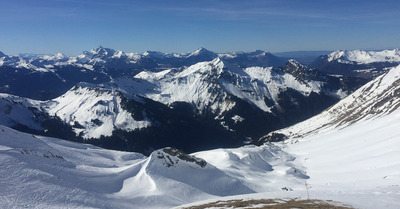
(308, 195)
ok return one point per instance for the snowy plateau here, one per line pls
(348, 153)
(249, 126)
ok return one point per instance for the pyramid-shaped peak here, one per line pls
(202, 51)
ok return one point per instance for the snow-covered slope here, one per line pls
(40, 172)
(356, 165)
(94, 112)
(380, 96)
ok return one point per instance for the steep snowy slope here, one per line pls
(95, 112)
(378, 97)
(356, 164)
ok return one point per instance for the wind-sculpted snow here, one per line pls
(41, 172)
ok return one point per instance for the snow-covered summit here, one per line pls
(57, 56)
(365, 57)
(202, 52)
(211, 84)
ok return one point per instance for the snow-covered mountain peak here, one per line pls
(201, 51)
(103, 52)
(2, 54)
(55, 57)
(214, 67)
(156, 54)
(295, 63)
(260, 53)
(365, 57)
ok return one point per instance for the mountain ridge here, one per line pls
(215, 100)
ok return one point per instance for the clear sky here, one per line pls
(71, 26)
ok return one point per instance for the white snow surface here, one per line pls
(365, 57)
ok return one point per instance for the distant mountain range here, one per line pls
(207, 105)
(192, 101)
(358, 63)
(50, 76)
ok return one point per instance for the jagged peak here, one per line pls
(294, 63)
(300, 71)
(103, 51)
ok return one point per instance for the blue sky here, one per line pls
(71, 26)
